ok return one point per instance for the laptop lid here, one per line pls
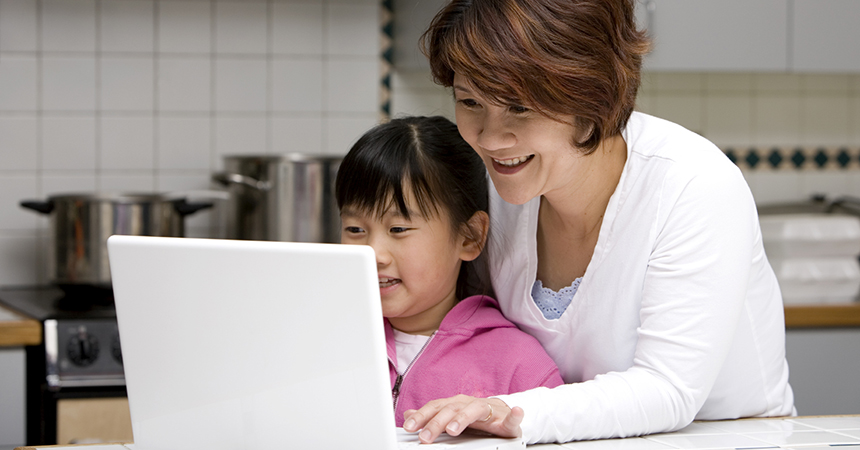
(231, 344)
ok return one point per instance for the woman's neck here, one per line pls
(579, 207)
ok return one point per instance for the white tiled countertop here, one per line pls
(807, 433)
(798, 433)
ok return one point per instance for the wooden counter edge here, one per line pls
(822, 316)
(16, 333)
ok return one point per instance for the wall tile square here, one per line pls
(241, 27)
(297, 28)
(349, 32)
(684, 109)
(184, 84)
(127, 84)
(826, 182)
(18, 78)
(423, 103)
(184, 27)
(69, 25)
(854, 125)
(127, 143)
(66, 182)
(18, 20)
(342, 132)
(184, 143)
(774, 187)
(128, 26)
(777, 82)
(777, 119)
(69, 143)
(297, 85)
(728, 119)
(352, 85)
(126, 182)
(729, 82)
(825, 120)
(68, 84)
(241, 85)
(18, 143)
(18, 260)
(240, 136)
(675, 82)
(14, 189)
(826, 83)
(297, 134)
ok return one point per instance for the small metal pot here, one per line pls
(81, 224)
(281, 197)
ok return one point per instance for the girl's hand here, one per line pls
(455, 414)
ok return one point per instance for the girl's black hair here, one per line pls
(428, 156)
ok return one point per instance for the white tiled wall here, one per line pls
(147, 95)
(743, 109)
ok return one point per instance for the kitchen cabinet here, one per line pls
(12, 397)
(823, 365)
(706, 35)
(709, 35)
(825, 36)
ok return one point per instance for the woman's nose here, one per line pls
(495, 132)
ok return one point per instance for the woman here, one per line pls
(678, 315)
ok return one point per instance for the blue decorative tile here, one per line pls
(752, 158)
(775, 158)
(821, 158)
(730, 153)
(798, 158)
(843, 158)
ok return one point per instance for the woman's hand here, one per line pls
(455, 414)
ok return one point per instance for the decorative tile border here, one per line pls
(795, 158)
(386, 52)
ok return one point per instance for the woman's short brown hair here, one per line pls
(579, 58)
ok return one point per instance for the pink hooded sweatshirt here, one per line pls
(475, 352)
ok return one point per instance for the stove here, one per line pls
(80, 356)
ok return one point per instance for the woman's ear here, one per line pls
(474, 234)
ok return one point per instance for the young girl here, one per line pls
(417, 193)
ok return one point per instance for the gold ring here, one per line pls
(490, 415)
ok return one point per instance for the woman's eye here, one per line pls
(518, 109)
(468, 102)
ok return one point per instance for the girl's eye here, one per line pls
(397, 230)
(353, 230)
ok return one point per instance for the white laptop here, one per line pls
(231, 344)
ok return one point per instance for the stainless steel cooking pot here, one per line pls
(286, 197)
(81, 224)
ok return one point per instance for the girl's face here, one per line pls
(527, 154)
(418, 260)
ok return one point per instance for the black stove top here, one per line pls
(51, 302)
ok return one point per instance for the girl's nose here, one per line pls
(383, 257)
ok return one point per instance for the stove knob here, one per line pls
(83, 349)
(115, 350)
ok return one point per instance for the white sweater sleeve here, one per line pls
(691, 303)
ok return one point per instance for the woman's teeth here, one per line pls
(385, 282)
(512, 162)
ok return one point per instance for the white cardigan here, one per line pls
(679, 315)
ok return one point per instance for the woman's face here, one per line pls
(527, 154)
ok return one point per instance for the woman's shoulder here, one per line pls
(650, 137)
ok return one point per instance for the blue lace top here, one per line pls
(552, 304)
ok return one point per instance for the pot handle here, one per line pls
(234, 178)
(185, 208)
(38, 206)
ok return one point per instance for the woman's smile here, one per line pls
(512, 165)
